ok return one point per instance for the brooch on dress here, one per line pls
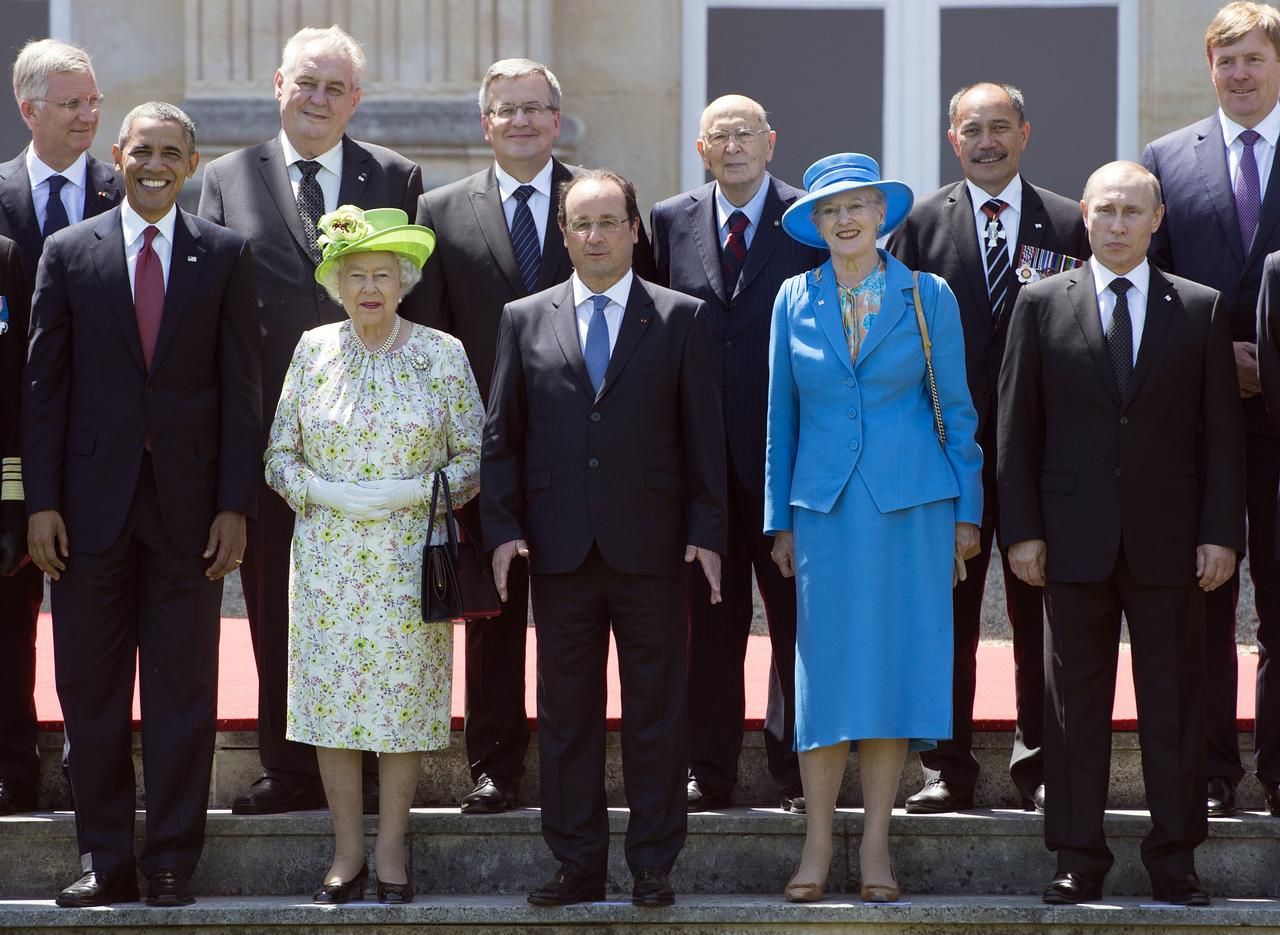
(419, 361)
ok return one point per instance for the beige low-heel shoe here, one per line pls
(803, 892)
(882, 892)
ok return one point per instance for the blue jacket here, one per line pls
(828, 417)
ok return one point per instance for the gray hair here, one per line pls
(334, 37)
(159, 110)
(518, 68)
(40, 60)
(410, 276)
(1014, 94)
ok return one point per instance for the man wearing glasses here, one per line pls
(498, 243)
(51, 184)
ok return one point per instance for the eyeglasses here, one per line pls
(606, 225)
(744, 137)
(532, 110)
(833, 212)
(94, 102)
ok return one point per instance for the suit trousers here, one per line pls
(141, 596)
(20, 597)
(1262, 462)
(497, 726)
(952, 760)
(650, 622)
(1166, 630)
(718, 646)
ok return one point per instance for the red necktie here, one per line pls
(148, 295)
(735, 249)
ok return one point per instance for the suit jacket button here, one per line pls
(150, 390)
(595, 417)
(728, 344)
(593, 463)
(852, 413)
(849, 382)
(853, 445)
(1124, 420)
(1119, 472)
(137, 438)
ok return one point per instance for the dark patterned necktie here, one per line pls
(734, 254)
(55, 212)
(310, 205)
(995, 245)
(1248, 190)
(1120, 336)
(524, 238)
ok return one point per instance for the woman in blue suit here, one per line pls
(870, 510)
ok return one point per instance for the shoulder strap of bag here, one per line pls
(928, 360)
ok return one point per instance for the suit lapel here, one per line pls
(15, 198)
(1160, 299)
(355, 173)
(964, 235)
(183, 276)
(555, 259)
(1211, 160)
(564, 323)
(824, 299)
(897, 294)
(275, 176)
(703, 221)
(766, 238)
(101, 190)
(486, 201)
(635, 321)
(108, 260)
(1268, 219)
(1084, 300)
(1032, 224)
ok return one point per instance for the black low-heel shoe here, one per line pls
(395, 893)
(332, 894)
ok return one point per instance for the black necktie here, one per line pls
(524, 238)
(55, 212)
(995, 245)
(1120, 336)
(310, 205)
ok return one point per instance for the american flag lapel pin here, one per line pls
(1039, 225)
(362, 176)
(1167, 297)
(191, 259)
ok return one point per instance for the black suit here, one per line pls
(1122, 490)
(607, 489)
(22, 593)
(1200, 240)
(466, 282)
(137, 520)
(939, 236)
(688, 255)
(249, 191)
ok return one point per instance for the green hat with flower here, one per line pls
(350, 230)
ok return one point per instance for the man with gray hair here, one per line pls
(52, 183)
(499, 243)
(274, 193)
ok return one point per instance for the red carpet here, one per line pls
(238, 693)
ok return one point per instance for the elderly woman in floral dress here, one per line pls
(371, 408)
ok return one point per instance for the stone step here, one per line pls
(445, 777)
(738, 851)
(709, 915)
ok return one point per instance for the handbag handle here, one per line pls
(939, 427)
(450, 522)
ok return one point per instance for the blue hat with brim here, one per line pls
(841, 173)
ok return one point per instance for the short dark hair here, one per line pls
(598, 175)
(160, 110)
(1014, 94)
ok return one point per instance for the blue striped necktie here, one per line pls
(524, 238)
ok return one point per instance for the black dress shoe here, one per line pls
(1183, 889)
(490, 796)
(343, 891)
(1273, 798)
(792, 800)
(1220, 798)
(17, 796)
(98, 889)
(936, 797)
(570, 884)
(272, 795)
(699, 800)
(169, 888)
(1067, 889)
(652, 888)
(394, 893)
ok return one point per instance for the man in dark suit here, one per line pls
(15, 307)
(722, 243)
(59, 101)
(141, 413)
(1121, 473)
(498, 242)
(1222, 218)
(947, 233)
(1269, 380)
(273, 194)
(604, 466)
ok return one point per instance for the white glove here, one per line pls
(351, 499)
(394, 494)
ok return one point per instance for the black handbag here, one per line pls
(457, 582)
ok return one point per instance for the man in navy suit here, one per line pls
(59, 100)
(1222, 218)
(722, 243)
(142, 411)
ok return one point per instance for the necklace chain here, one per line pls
(386, 345)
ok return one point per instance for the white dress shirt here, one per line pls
(617, 293)
(752, 209)
(1264, 150)
(1140, 280)
(72, 192)
(329, 178)
(134, 225)
(1010, 217)
(539, 202)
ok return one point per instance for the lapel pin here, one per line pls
(362, 176)
(822, 301)
(191, 259)
(777, 223)
(1167, 297)
(1038, 226)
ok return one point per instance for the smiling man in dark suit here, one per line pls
(59, 101)
(722, 243)
(988, 235)
(141, 413)
(273, 194)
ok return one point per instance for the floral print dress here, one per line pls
(365, 672)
